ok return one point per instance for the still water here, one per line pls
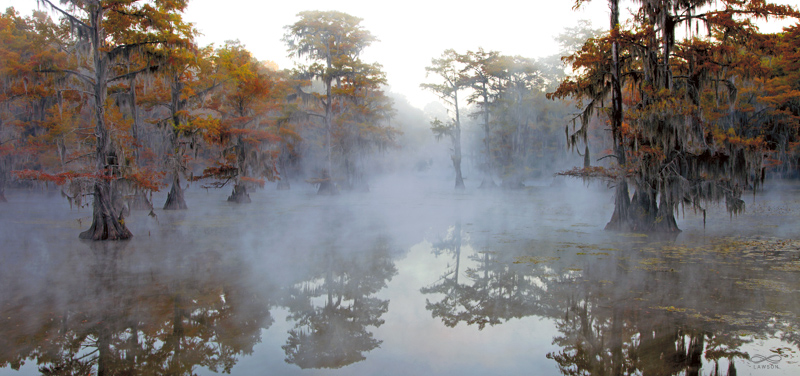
(400, 281)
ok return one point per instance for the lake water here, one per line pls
(410, 278)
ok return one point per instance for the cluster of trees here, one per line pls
(505, 98)
(117, 100)
(614, 315)
(699, 105)
(136, 308)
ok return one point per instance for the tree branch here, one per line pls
(151, 69)
(607, 156)
(81, 76)
(72, 19)
(126, 47)
(9, 140)
(79, 157)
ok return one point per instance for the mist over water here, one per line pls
(409, 278)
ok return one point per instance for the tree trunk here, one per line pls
(3, 194)
(457, 159)
(283, 185)
(329, 121)
(621, 219)
(457, 146)
(140, 201)
(459, 178)
(104, 360)
(641, 213)
(643, 210)
(107, 219)
(327, 188)
(175, 200)
(106, 223)
(487, 183)
(283, 180)
(665, 218)
(617, 357)
(175, 340)
(239, 194)
(486, 141)
(694, 359)
(512, 182)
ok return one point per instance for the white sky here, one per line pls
(411, 32)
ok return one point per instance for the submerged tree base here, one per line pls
(107, 220)
(513, 184)
(487, 183)
(239, 195)
(326, 187)
(140, 202)
(641, 214)
(283, 185)
(175, 199)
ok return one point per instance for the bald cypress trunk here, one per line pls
(239, 194)
(175, 200)
(665, 218)
(283, 181)
(622, 217)
(107, 220)
(326, 185)
(457, 147)
(488, 180)
(140, 201)
(457, 159)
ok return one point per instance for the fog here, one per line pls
(409, 278)
(370, 258)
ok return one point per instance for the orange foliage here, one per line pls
(147, 179)
(247, 179)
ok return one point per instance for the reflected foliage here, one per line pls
(497, 290)
(334, 306)
(625, 307)
(102, 312)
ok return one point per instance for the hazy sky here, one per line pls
(411, 32)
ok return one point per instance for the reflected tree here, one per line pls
(335, 305)
(111, 316)
(643, 311)
(655, 316)
(500, 289)
(447, 284)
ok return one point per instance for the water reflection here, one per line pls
(513, 285)
(665, 309)
(334, 305)
(103, 311)
(188, 300)
(628, 306)
(498, 290)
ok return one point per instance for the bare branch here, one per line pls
(79, 157)
(150, 69)
(88, 79)
(72, 19)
